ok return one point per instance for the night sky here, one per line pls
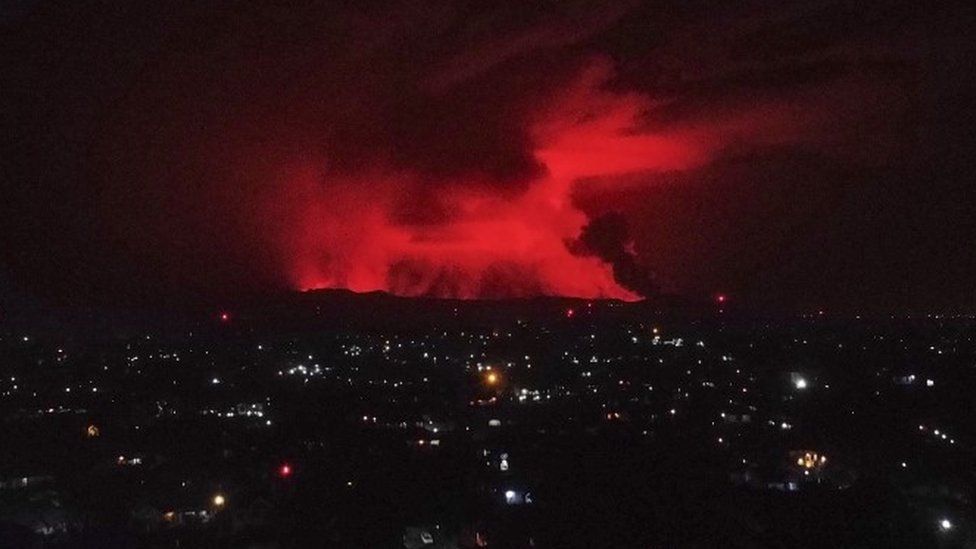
(791, 155)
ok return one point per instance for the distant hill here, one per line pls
(344, 308)
(337, 309)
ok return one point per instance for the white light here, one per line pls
(215, 381)
(929, 383)
(510, 496)
(801, 383)
(945, 524)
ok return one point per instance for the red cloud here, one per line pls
(489, 244)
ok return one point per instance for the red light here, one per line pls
(284, 471)
(570, 313)
(225, 317)
(720, 298)
(356, 236)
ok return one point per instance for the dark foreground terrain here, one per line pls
(366, 421)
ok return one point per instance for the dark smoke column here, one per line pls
(608, 237)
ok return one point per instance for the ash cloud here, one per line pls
(608, 237)
(453, 148)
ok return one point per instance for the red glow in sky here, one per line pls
(485, 244)
(490, 149)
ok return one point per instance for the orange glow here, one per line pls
(811, 460)
(491, 378)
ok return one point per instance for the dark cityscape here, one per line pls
(444, 275)
(542, 422)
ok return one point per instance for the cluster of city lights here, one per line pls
(937, 433)
(811, 460)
